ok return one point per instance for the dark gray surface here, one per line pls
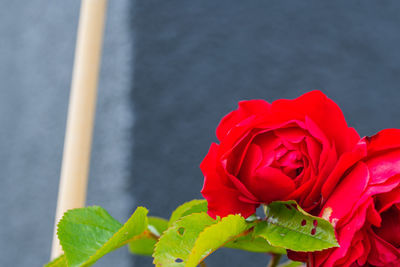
(196, 59)
(192, 61)
(37, 41)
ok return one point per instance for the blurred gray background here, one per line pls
(170, 71)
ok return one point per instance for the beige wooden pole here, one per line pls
(78, 137)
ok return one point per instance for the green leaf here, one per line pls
(175, 244)
(157, 225)
(194, 206)
(87, 234)
(58, 262)
(143, 246)
(216, 235)
(292, 264)
(254, 244)
(288, 226)
(144, 243)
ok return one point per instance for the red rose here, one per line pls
(363, 202)
(279, 151)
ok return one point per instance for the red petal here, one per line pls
(227, 201)
(344, 234)
(269, 184)
(382, 252)
(221, 194)
(343, 164)
(384, 166)
(324, 112)
(245, 110)
(388, 199)
(357, 251)
(313, 151)
(213, 179)
(252, 160)
(292, 134)
(390, 227)
(348, 192)
(314, 198)
(385, 139)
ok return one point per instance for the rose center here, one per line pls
(279, 154)
(289, 161)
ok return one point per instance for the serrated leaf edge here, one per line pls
(220, 220)
(120, 229)
(198, 202)
(163, 236)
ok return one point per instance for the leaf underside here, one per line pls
(254, 244)
(292, 264)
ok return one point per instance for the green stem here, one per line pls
(275, 258)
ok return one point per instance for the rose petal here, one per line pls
(303, 189)
(291, 159)
(268, 143)
(344, 163)
(248, 130)
(269, 184)
(292, 134)
(367, 248)
(373, 216)
(314, 149)
(384, 166)
(233, 158)
(221, 194)
(385, 187)
(316, 132)
(381, 251)
(227, 201)
(213, 179)
(388, 199)
(344, 234)
(241, 187)
(357, 250)
(384, 140)
(252, 160)
(245, 110)
(324, 112)
(390, 227)
(314, 198)
(348, 192)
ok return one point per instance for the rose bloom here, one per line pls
(363, 203)
(283, 150)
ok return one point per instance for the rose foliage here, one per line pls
(330, 198)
